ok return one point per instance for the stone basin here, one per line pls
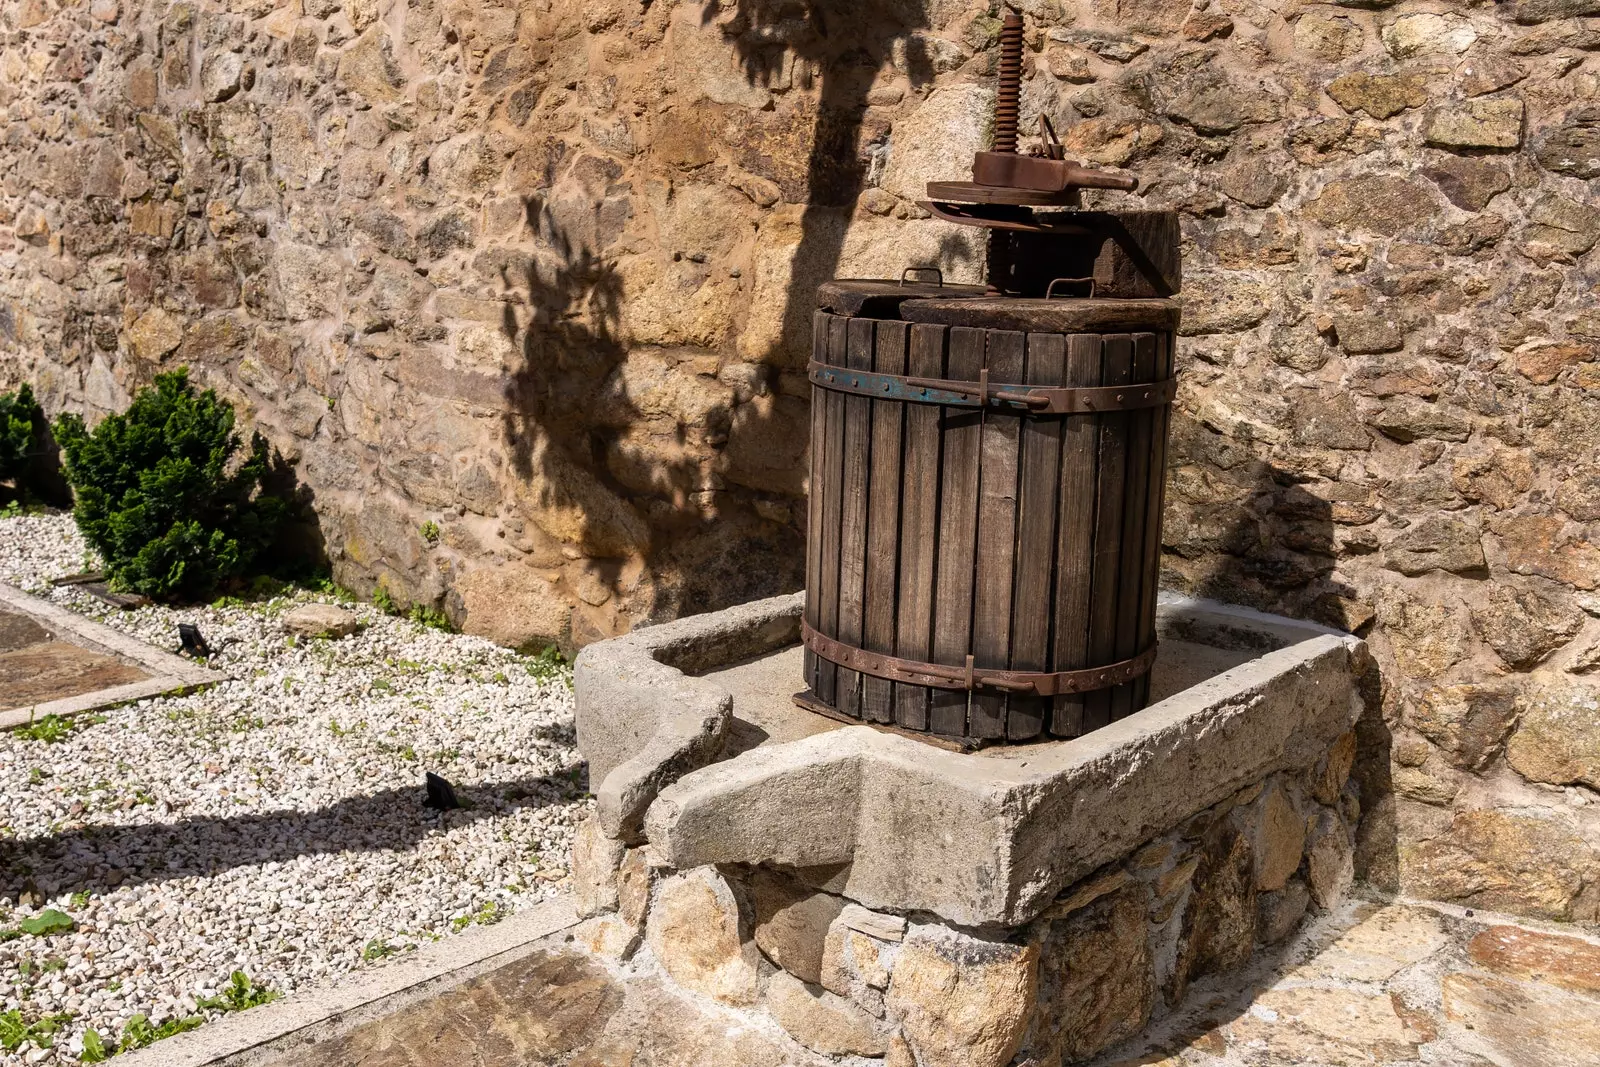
(696, 747)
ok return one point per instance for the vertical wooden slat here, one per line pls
(883, 521)
(1075, 534)
(918, 527)
(1110, 492)
(815, 481)
(832, 509)
(853, 513)
(997, 529)
(1040, 447)
(1155, 500)
(1130, 571)
(962, 430)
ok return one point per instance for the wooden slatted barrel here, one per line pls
(985, 522)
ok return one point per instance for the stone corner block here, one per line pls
(962, 1001)
(595, 861)
(698, 933)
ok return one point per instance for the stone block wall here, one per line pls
(540, 273)
(1112, 953)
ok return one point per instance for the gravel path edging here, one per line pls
(171, 672)
(261, 1035)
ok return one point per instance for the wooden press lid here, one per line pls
(879, 298)
(1063, 315)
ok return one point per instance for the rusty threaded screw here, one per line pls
(1008, 99)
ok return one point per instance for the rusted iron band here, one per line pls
(968, 677)
(1034, 399)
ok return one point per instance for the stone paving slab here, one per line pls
(517, 994)
(1392, 984)
(56, 662)
(408, 987)
(1372, 984)
(556, 1006)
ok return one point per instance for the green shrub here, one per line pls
(161, 495)
(22, 440)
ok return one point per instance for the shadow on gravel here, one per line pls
(100, 858)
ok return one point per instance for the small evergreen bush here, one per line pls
(22, 441)
(161, 496)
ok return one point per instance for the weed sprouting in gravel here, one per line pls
(47, 922)
(139, 1033)
(14, 1032)
(488, 914)
(378, 949)
(95, 1050)
(384, 602)
(50, 729)
(430, 532)
(550, 665)
(432, 618)
(240, 994)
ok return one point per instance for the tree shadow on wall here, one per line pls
(629, 485)
(624, 483)
(846, 43)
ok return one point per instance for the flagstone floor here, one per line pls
(1397, 984)
(1374, 984)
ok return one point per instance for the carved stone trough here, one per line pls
(823, 873)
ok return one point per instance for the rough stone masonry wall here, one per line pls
(1112, 953)
(540, 273)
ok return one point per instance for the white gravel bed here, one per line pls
(272, 824)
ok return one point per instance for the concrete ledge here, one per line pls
(170, 672)
(987, 837)
(646, 720)
(264, 1034)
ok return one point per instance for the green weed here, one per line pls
(549, 665)
(377, 949)
(430, 532)
(384, 602)
(240, 994)
(487, 914)
(47, 922)
(50, 729)
(432, 618)
(95, 1049)
(14, 1033)
(138, 1033)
